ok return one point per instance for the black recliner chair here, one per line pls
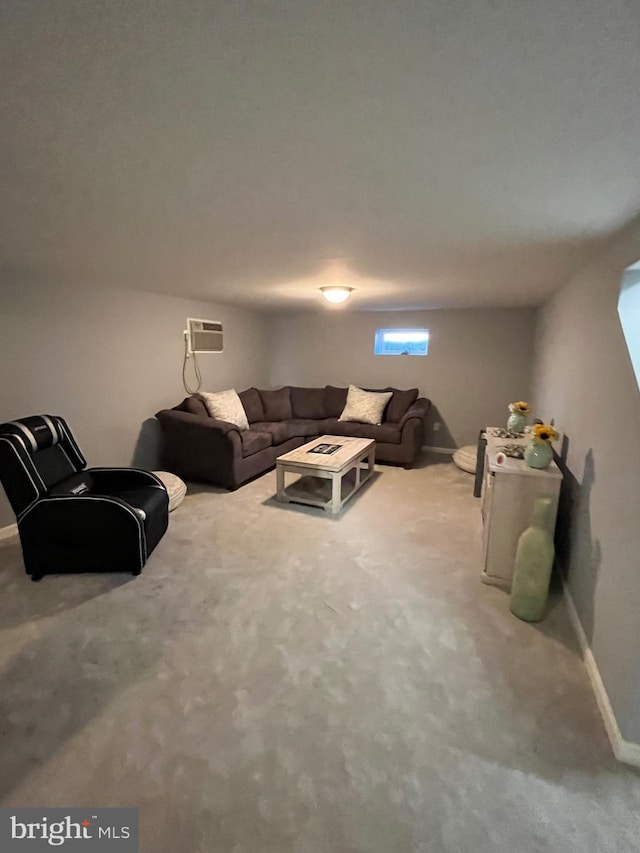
(72, 518)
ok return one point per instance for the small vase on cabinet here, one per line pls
(538, 454)
(517, 422)
(534, 561)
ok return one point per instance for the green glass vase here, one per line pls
(517, 422)
(538, 454)
(534, 561)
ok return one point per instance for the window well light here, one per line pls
(336, 293)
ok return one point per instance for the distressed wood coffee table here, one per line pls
(323, 480)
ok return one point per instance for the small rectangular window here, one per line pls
(401, 342)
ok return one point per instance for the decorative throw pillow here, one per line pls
(226, 406)
(365, 407)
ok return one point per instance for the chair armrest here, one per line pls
(123, 478)
(419, 410)
(101, 518)
(70, 512)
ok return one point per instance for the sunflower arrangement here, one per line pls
(520, 408)
(544, 432)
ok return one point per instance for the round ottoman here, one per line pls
(175, 487)
(466, 458)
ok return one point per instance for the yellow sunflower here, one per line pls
(544, 432)
(520, 408)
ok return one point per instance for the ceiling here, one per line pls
(429, 153)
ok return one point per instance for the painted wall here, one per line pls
(479, 360)
(583, 376)
(107, 360)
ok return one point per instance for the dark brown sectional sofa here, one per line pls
(201, 448)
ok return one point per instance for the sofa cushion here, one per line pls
(226, 406)
(308, 403)
(195, 406)
(334, 400)
(282, 431)
(365, 407)
(252, 404)
(276, 404)
(400, 403)
(253, 441)
(385, 433)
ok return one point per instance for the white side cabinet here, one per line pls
(508, 495)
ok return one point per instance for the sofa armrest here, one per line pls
(175, 417)
(199, 448)
(419, 410)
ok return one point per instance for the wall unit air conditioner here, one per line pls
(204, 335)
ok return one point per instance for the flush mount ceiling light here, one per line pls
(336, 293)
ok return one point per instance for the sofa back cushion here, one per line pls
(194, 405)
(335, 400)
(276, 404)
(226, 406)
(399, 404)
(308, 403)
(252, 405)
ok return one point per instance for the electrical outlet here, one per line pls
(436, 426)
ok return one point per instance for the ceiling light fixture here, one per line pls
(336, 293)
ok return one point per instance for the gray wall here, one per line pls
(108, 359)
(478, 362)
(584, 378)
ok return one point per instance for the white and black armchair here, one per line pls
(72, 518)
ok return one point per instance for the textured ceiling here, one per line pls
(428, 153)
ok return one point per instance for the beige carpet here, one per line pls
(278, 680)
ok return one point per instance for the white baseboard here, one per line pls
(9, 531)
(448, 450)
(624, 750)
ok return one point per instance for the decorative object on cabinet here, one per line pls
(534, 561)
(539, 453)
(519, 417)
(516, 451)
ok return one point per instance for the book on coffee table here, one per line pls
(325, 449)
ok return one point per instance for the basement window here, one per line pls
(401, 342)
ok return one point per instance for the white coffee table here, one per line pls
(323, 480)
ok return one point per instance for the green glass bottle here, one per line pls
(534, 561)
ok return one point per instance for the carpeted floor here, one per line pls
(278, 680)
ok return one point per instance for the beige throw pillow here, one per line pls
(365, 407)
(226, 406)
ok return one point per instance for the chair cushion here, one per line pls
(366, 407)
(276, 404)
(253, 441)
(226, 406)
(308, 403)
